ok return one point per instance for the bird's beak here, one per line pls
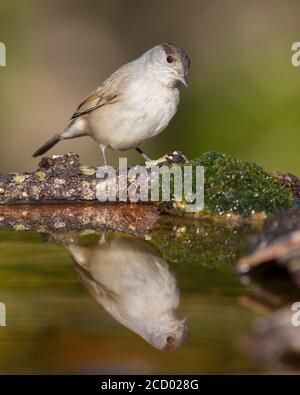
(183, 79)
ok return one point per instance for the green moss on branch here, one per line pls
(237, 186)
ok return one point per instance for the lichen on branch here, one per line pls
(231, 185)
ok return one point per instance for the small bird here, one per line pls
(132, 105)
(133, 284)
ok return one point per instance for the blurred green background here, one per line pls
(244, 94)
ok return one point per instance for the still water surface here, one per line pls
(110, 303)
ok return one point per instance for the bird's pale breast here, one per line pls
(143, 110)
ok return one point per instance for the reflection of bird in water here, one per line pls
(133, 284)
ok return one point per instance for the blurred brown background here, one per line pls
(244, 94)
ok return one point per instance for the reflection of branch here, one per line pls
(281, 247)
(274, 341)
(64, 218)
(259, 302)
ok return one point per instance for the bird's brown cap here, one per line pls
(177, 53)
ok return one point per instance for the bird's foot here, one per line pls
(155, 162)
(174, 157)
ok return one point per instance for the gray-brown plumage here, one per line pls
(133, 284)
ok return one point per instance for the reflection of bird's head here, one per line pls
(128, 277)
(168, 338)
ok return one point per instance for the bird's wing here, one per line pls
(108, 92)
(95, 288)
(95, 100)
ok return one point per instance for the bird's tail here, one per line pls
(49, 144)
(75, 129)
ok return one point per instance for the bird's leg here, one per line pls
(104, 168)
(148, 162)
(102, 147)
(151, 163)
(145, 156)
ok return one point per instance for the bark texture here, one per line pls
(59, 179)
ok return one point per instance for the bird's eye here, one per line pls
(170, 339)
(170, 59)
